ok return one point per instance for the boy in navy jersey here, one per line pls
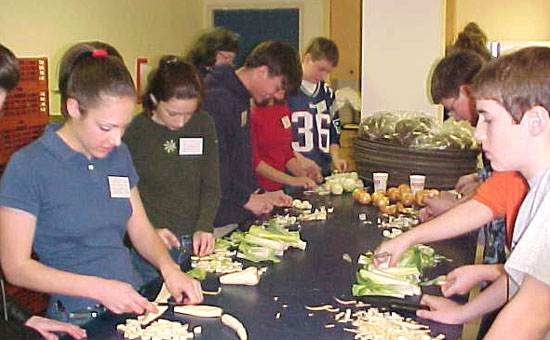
(315, 121)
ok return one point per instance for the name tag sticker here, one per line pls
(286, 122)
(244, 118)
(119, 186)
(321, 106)
(191, 146)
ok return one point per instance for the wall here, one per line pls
(314, 14)
(345, 30)
(507, 19)
(402, 40)
(138, 28)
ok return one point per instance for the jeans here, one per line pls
(79, 318)
(182, 256)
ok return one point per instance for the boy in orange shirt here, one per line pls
(500, 195)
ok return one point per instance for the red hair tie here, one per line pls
(99, 53)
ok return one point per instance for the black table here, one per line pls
(305, 278)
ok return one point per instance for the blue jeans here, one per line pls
(181, 256)
(79, 318)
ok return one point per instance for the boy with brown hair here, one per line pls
(315, 121)
(513, 102)
(271, 67)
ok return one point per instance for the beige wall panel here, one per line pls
(510, 20)
(138, 28)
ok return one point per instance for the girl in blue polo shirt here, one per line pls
(72, 197)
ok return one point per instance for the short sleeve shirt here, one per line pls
(271, 134)
(80, 228)
(531, 241)
(503, 193)
(315, 122)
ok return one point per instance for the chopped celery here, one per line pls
(440, 280)
(256, 253)
(398, 281)
(197, 273)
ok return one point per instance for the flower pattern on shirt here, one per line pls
(170, 146)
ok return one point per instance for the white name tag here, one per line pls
(191, 146)
(321, 106)
(244, 118)
(119, 186)
(286, 122)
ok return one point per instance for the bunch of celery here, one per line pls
(421, 256)
(399, 281)
(262, 243)
(395, 282)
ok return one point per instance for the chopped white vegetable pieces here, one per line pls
(302, 205)
(372, 324)
(318, 215)
(161, 329)
(221, 261)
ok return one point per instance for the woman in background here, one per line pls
(213, 47)
(174, 148)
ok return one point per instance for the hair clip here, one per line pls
(99, 53)
(172, 60)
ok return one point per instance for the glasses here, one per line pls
(226, 57)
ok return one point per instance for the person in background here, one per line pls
(175, 152)
(513, 100)
(485, 195)
(72, 196)
(274, 161)
(213, 47)
(15, 321)
(451, 86)
(315, 122)
(271, 67)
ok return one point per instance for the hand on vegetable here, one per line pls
(47, 328)
(278, 198)
(441, 310)
(258, 204)
(395, 247)
(203, 243)
(311, 168)
(339, 164)
(303, 182)
(168, 238)
(465, 278)
(120, 297)
(182, 287)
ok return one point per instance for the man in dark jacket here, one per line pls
(271, 67)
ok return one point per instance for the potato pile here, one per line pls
(395, 199)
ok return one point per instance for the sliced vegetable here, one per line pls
(234, 323)
(197, 273)
(256, 253)
(200, 311)
(249, 277)
(399, 281)
(439, 281)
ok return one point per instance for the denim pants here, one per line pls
(80, 317)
